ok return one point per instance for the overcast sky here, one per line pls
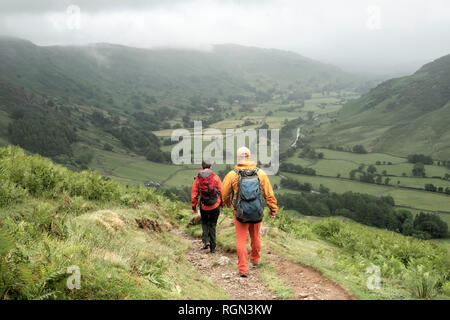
(356, 35)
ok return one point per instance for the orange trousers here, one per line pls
(242, 229)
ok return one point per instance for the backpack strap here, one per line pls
(235, 201)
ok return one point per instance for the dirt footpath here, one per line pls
(221, 267)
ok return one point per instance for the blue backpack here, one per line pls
(249, 201)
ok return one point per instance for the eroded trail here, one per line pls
(308, 283)
(221, 268)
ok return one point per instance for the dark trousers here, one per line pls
(209, 222)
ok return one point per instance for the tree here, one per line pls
(320, 209)
(47, 135)
(323, 189)
(359, 149)
(407, 222)
(430, 224)
(416, 158)
(108, 147)
(418, 170)
(371, 169)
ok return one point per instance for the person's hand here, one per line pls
(194, 211)
(272, 215)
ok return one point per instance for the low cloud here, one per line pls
(359, 35)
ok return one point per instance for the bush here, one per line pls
(293, 168)
(382, 247)
(359, 149)
(10, 193)
(446, 288)
(21, 174)
(421, 282)
(416, 158)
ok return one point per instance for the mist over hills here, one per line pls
(125, 93)
(97, 72)
(402, 115)
(144, 88)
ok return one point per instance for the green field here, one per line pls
(399, 169)
(342, 163)
(410, 198)
(369, 158)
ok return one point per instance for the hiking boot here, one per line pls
(255, 265)
(206, 246)
(243, 275)
(213, 250)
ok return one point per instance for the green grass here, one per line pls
(130, 169)
(331, 168)
(399, 169)
(61, 218)
(182, 178)
(418, 182)
(334, 167)
(299, 240)
(369, 158)
(269, 277)
(399, 123)
(410, 198)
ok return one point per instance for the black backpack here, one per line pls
(249, 203)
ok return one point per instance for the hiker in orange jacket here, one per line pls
(230, 186)
(209, 206)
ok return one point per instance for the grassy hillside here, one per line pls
(401, 116)
(111, 97)
(117, 77)
(52, 218)
(127, 244)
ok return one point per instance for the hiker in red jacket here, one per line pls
(207, 192)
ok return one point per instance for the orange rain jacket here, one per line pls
(231, 180)
(195, 195)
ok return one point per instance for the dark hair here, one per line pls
(206, 164)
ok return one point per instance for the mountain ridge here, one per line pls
(406, 115)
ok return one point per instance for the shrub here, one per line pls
(446, 288)
(10, 193)
(421, 282)
(381, 246)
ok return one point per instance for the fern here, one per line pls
(6, 243)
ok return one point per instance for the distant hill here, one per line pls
(402, 116)
(97, 73)
(113, 96)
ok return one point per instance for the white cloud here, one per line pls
(408, 30)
